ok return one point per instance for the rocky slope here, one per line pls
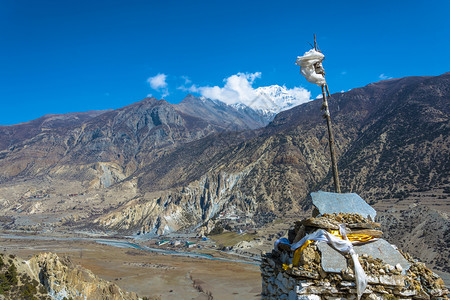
(13, 134)
(421, 231)
(227, 117)
(405, 144)
(47, 276)
(129, 138)
(156, 167)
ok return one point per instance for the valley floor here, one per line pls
(148, 273)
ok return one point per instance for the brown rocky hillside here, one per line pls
(156, 167)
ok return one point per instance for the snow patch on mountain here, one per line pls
(238, 89)
(279, 98)
(268, 101)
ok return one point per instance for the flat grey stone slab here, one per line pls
(383, 250)
(329, 203)
(333, 262)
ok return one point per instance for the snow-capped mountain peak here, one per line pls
(277, 98)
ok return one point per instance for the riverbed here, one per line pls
(145, 270)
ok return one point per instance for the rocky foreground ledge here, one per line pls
(324, 273)
(47, 276)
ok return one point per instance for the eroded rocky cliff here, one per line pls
(47, 276)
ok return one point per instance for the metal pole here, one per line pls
(327, 116)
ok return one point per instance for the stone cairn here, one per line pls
(324, 273)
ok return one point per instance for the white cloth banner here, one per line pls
(309, 63)
(342, 245)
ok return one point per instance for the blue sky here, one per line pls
(67, 56)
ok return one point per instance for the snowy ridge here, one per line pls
(270, 100)
(259, 104)
(267, 100)
(279, 98)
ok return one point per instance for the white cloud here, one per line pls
(158, 81)
(238, 88)
(186, 80)
(159, 84)
(299, 93)
(383, 77)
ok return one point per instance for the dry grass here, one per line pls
(232, 238)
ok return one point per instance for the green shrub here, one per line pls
(11, 274)
(28, 291)
(4, 284)
(218, 229)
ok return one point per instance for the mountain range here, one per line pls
(155, 167)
